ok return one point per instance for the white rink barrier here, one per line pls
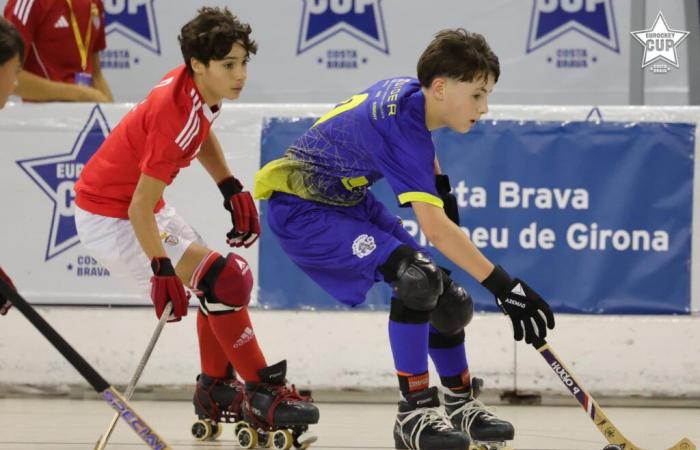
(614, 355)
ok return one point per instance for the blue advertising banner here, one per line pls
(596, 216)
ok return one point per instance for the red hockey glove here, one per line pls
(5, 303)
(244, 215)
(167, 287)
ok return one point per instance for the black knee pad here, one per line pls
(454, 309)
(415, 279)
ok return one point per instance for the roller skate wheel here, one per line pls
(281, 440)
(217, 429)
(247, 437)
(201, 430)
(612, 447)
(489, 446)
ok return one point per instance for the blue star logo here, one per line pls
(56, 176)
(323, 19)
(594, 19)
(135, 20)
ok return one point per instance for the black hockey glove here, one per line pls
(526, 309)
(449, 201)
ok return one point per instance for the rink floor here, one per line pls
(61, 424)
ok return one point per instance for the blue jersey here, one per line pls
(380, 132)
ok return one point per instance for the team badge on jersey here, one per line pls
(593, 19)
(363, 245)
(323, 19)
(56, 175)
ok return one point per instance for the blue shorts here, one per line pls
(339, 247)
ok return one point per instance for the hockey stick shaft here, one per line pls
(102, 442)
(99, 384)
(593, 410)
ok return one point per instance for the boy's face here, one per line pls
(8, 78)
(464, 102)
(225, 78)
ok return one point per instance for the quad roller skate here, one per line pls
(216, 401)
(275, 415)
(421, 425)
(467, 413)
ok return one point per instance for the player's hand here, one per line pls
(89, 94)
(244, 215)
(449, 201)
(530, 314)
(167, 287)
(5, 303)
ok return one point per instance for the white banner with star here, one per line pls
(551, 51)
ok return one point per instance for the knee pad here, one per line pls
(454, 309)
(415, 279)
(226, 284)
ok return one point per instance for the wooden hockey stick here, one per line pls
(99, 384)
(606, 427)
(102, 441)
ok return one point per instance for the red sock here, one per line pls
(212, 358)
(237, 339)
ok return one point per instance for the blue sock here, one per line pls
(409, 345)
(449, 355)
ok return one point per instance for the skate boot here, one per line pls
(275, 415)
(468, 413)
(216, 401)
(420, 425)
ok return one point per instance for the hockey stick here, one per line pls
(99, 384)
(102, 441)
(606, 427)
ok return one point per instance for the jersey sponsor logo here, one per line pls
(135, 20)
(323, 19)
(660, 43)
(363, 245)
(593, 19)
(62, 22)
(56, 175)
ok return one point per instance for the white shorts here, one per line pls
(113, 243)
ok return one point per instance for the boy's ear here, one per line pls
(197, 65)
(437, 86)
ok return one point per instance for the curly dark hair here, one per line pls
(457, 54)
(11, 42)
(211, 34)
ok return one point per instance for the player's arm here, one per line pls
(165, 284)
(98, 78)
(38, 89)
(148, 191)
(239, 203)
(451, 240)
(525, 308)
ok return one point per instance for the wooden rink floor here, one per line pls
(64, 424)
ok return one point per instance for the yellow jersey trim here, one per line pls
(423, 197)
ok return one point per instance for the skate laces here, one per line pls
(281, 393)
(470, 410)
(428, 418)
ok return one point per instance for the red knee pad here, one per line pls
(228, 281)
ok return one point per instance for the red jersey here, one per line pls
(51, 47)
(158, 137)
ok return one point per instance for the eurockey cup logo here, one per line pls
(56, 176)
(323, 19)
(593, 19)
(660, 43)
(135, 20)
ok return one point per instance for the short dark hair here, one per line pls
(11, 42)
(457, 54)
(211, 34)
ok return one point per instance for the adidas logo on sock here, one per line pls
(246, 336)
(61, 23)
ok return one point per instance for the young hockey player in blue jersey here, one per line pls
(330, 224)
